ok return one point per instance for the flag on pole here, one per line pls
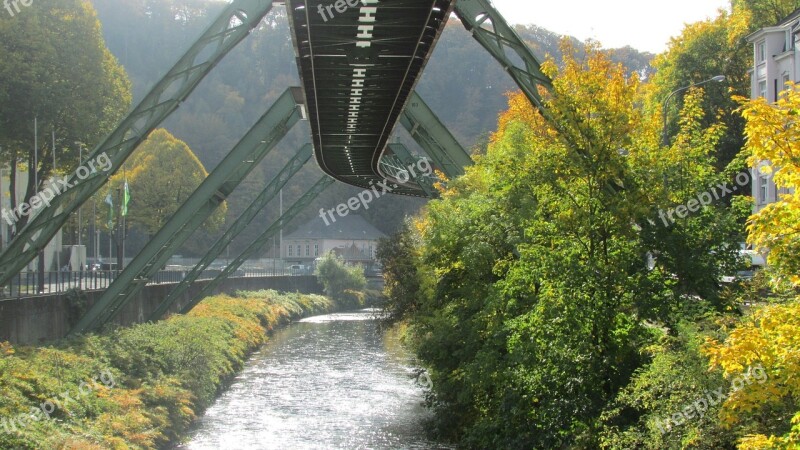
(126, 198)
(110, 202)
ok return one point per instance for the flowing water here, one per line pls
(326, 382)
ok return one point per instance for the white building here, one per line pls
(53, 251)
(351, 237)
(775, 62)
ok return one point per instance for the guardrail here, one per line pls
(28, 284)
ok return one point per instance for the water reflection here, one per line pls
(325, 382)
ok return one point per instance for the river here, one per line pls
(325, 382)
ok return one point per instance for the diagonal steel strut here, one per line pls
(492, 31)
(263, 239)
(289, 170)
(219, 184)
(434, 137)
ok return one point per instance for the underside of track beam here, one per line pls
(211, 193)
(262, 240)
(257, 205)
(232, 25)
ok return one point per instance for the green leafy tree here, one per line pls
(404, 284)
(161, 174)
(341, 283)
(56, 69)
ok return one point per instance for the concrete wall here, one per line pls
(36, 320)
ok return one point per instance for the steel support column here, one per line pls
(401, 159)
(270, 191)
(219, 184)
(437, 141)
(492, 31)
(263, 239)
(232, 25)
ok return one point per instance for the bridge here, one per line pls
(359, 61)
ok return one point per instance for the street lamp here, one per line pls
(664, 137)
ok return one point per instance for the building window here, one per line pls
(761, 52)
(308, 250)
(762, 88)
(289, 250)
(371, 255)
(316, 249)
(763, 182)
(785, 80)
(298, 250)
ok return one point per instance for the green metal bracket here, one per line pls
(492, 31)
(431, 134)
(273, 188)
(233, 24)
(219, 184)
(400, 160)
(262, 240)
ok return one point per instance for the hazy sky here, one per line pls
(645, 25)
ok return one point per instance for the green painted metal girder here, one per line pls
(233, 24)
(219, 184)
(401, 159)
(270, 191)
(431, 134)
(262, 240)
(492, 31)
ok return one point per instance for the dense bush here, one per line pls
(156, 377)
(342, 283)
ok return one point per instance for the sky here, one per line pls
(645, 25)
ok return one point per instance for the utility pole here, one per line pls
(40, 265)
(80, 208)
(120, 231)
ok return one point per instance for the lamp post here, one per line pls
(80, 208)
(664, 137)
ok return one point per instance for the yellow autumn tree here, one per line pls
(763, 354)
(773, 140)
(162, 174)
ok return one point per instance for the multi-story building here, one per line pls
(350, 237)
(775, 62)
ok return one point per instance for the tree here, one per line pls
(773, 143)
(343, 284)
(400, 258)
(764, 347)
(56, 68)
(162, 174)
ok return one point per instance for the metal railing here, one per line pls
(27, 284)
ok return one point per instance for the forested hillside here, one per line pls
(461, 83)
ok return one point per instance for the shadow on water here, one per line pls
(326, 382)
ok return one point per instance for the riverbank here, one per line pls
(138, 387)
